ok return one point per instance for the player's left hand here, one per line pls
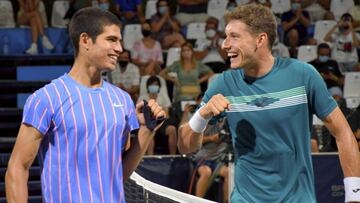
(156, 113)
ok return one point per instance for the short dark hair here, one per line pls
(323, 46)
(151, 80)
(347, 16)
(90, 20)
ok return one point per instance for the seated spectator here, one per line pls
(147, 52)
(295, 23)
(167, 131)
(279, 49)
(191, 11)
(126, 75)
(190, 73)
(318, 9)
(345, 44)
(130, 12)
(165, 28)
(104, 4)
(209, 50)
(208, 159)
(29, 15)
(327, 67)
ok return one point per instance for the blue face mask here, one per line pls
(104, 6)
(153, 89)
(323, 59)
(163, 9)
(295, 6)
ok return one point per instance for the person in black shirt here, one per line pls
(328, 68)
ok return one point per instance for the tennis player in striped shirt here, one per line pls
(79, 125)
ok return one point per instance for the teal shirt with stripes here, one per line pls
(270, 120)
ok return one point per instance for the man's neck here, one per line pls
(85, 74)
(261, 67)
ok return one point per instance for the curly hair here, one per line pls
(258, 18)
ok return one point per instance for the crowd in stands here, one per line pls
(161, 27)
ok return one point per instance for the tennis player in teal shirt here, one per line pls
(269, 103)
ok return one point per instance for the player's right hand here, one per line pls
(216, 105)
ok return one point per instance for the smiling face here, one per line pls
(103, 53)
(239, 44)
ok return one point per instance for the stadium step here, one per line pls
(14, 86)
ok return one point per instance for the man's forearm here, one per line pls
(349, 155)
(134, 155)
(189, 140)
(16, 185)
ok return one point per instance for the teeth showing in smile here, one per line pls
(113, 57)
(232, 55)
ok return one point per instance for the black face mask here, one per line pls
(123, 64)
(146, 33)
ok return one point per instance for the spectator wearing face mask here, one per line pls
(295, 23)
(147, 52)
(345, 43)
(165, 28)
(126, 75)
(208, 49)
(328, 68)
(167, 131)
(104, 4)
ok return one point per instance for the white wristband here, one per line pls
(197, 123)
(352, 189)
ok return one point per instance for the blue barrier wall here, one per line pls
(38, 73)
(19, 39)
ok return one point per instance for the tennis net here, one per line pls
(138, 189)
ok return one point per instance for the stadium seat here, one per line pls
(59, 10)
(217, 8)
(280, 6)
(352, 84)
(321, 28)
(339, 7)
(172, 55)
(195, 31)
(150, 8)
(307, 53)
(7, 19)
(132, 33)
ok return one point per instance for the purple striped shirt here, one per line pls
(84, 134)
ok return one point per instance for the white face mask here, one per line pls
(153, 88)
(210, 33)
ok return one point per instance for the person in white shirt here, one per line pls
(126, 75)
(208, 49)
(167, 131)
(345, 44)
